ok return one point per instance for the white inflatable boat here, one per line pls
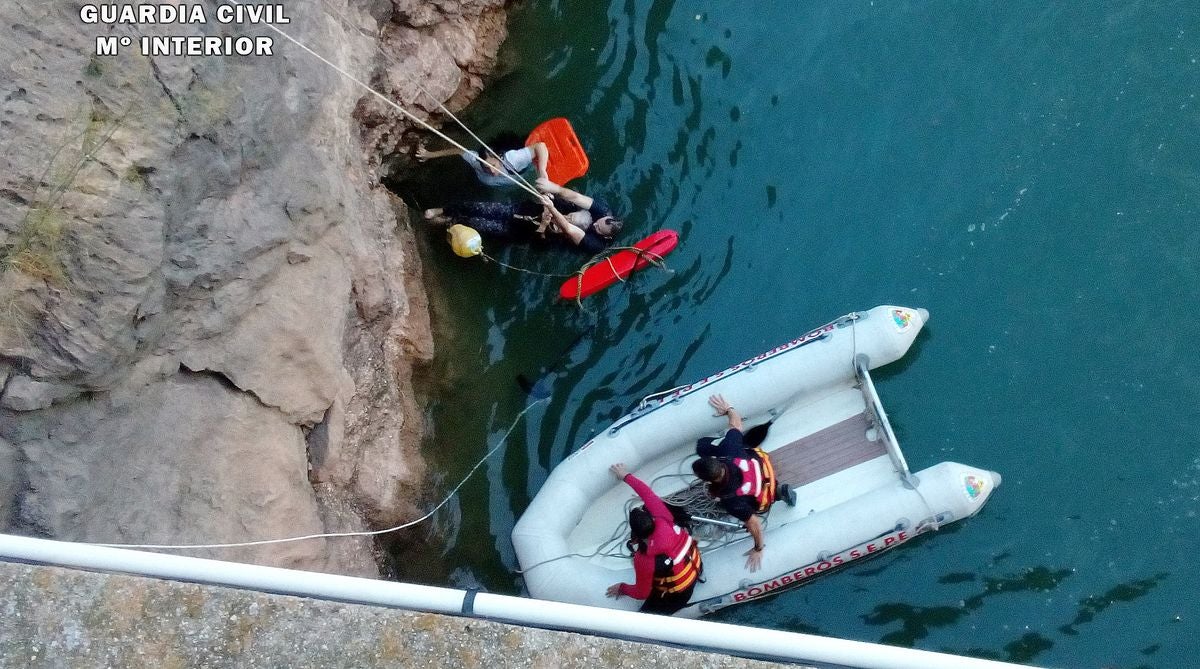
(829, 439)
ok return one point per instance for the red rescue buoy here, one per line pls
(619, 265)
(567, 158)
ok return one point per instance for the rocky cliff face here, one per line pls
(210, 311)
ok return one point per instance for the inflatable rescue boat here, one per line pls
(829, 438)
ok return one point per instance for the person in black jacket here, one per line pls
(578, 221)
(740, 478)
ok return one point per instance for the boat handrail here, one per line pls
(646, 400)
(645, 406)
(875, 405)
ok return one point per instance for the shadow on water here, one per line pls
(882, 375)
(1123, 593)
(916, 622)
(894, 369)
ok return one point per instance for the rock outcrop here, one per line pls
(210, 310)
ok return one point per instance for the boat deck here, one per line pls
(816, 465)
(825, 452)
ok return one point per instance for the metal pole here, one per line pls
(719, 523)
(719, 637)
(861, 367)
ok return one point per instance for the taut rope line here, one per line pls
(331, 535)
(345, 22)
(517, 179)
(409, 115)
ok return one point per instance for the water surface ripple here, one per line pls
(1027, 172)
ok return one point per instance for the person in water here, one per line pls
(581, 222)
(740, 478)
(515, 158)
(666, 560)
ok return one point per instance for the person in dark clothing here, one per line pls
(740, 478)
(666, 560)
(581, 222)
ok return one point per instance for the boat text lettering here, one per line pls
(808, 571)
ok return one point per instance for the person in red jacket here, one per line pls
(666, 560)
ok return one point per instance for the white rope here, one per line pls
(389, 101)
(521, 184)
(346, 23)
(607, 548)
(331, 535)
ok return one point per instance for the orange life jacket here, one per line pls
(679, 569)
(758, 479)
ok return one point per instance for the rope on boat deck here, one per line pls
(693, 498)
(332, 535)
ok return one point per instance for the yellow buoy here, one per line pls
(465, 241)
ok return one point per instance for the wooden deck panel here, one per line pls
(837, 447)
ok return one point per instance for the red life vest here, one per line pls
(678, 568)
(758, 479)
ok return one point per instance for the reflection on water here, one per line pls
(1094, 605)
(917, 621)
(1025, 649)
(1026, 171)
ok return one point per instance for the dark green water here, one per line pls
(1029, 174)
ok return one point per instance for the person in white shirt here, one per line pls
(514, 159)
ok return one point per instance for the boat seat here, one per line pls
(825, 452)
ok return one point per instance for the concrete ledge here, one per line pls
(53, 617)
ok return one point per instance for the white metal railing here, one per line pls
(698, 634)
(862, 371)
